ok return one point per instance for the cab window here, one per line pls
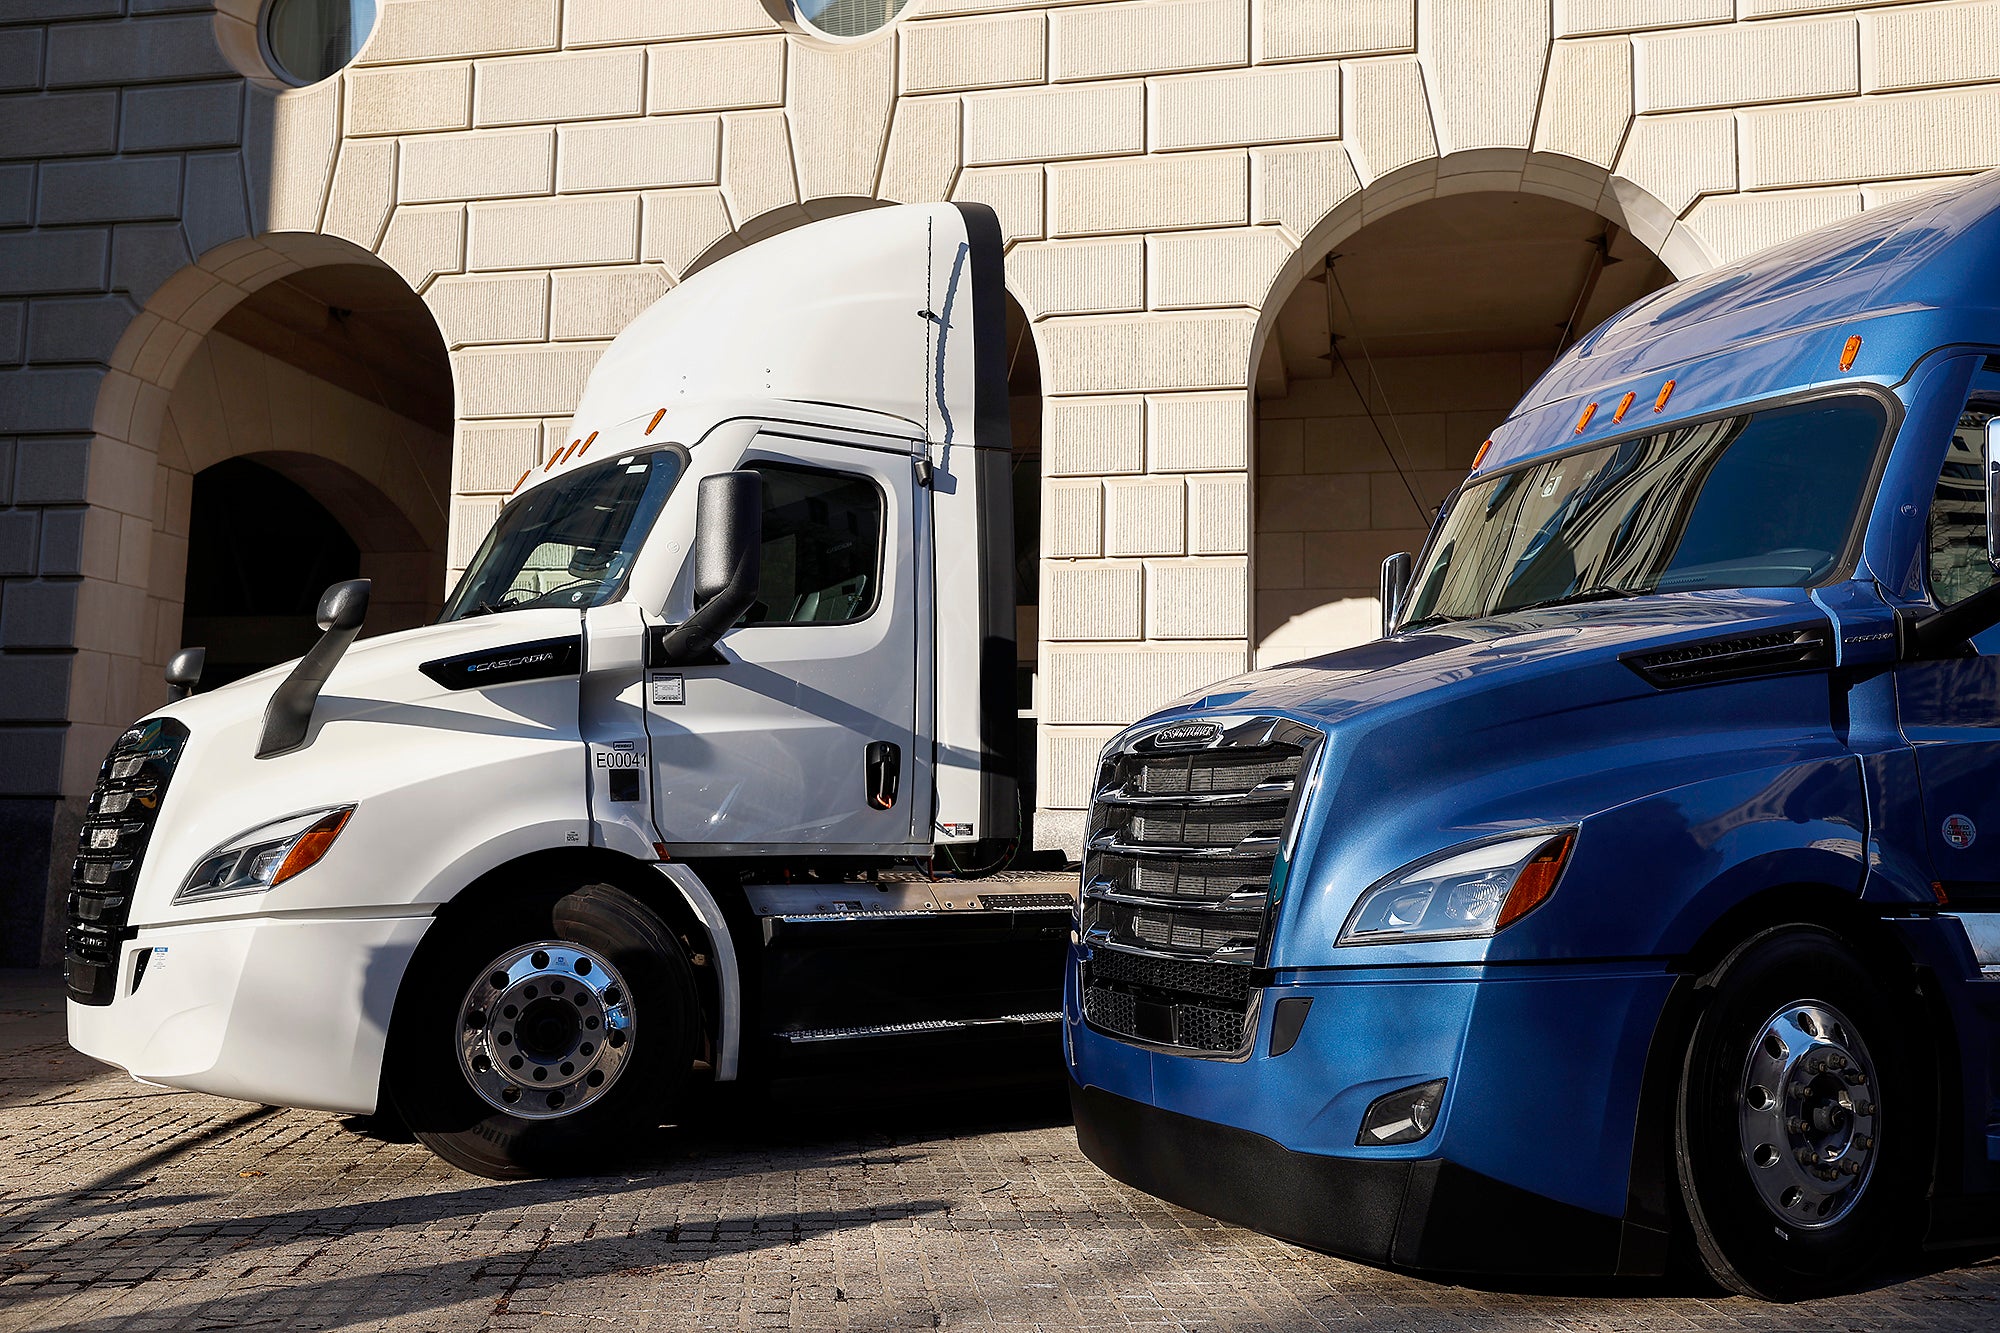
(822, 553)
(1957, 530)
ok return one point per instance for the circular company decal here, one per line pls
(1959, 831)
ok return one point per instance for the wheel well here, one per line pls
(1653, 1197)
(535, 875)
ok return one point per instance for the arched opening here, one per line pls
(309, 439)
(1390, 361)
(247, 609)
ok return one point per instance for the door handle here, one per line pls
(885, 771)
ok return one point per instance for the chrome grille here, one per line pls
(116, 828)
(1185, 831)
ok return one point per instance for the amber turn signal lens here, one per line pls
(1849, 352)
(314, 843)
(1537, 880)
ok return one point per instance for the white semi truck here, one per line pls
(615, 825)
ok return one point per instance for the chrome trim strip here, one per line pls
(1247, 850)
(1236, 904)
(1264, 793)
(919, 1027)
(1101, 939)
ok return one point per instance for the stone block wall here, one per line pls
(538, 169)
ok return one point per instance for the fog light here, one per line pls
(1402, 1117)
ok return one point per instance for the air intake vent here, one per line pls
(116, 828)
(1807, 648)
(1184, 836)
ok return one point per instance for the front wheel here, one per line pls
(1800, 1131)
(545, 1040)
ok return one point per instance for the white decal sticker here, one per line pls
(1959, 831)
(668, 690)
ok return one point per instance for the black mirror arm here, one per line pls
(1945, 633)
(695, 638)
(288, 716)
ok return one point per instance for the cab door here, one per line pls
(800, 735)
(1950, 707)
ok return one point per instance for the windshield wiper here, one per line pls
(1599, 594)
(490, 608)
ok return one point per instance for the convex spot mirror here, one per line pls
(728, 546)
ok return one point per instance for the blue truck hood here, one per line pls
(1513, 723)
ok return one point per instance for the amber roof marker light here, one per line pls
(1480, 457)
(654, 424)
(1623, 405)
(1849, 352)
(1584, 420)
(1666, 392)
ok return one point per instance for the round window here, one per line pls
(848, 18)
(309, 40)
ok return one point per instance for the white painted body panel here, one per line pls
(290, 1011)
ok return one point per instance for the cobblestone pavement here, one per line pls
(126, 1207)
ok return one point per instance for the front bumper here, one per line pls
(1424, 1214)
(287, 1011)
(1529, 1169)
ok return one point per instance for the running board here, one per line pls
(924, 1027)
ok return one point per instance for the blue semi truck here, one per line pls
(1638, 892)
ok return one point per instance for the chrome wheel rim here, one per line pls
(1807, 1116)
(545, 1030)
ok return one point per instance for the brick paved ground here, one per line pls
(125, 1207)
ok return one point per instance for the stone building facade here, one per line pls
(1279, 266)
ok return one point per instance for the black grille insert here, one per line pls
(1177, 878)
(112, 844)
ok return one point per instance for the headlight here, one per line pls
(266, 855)
(1464, 893)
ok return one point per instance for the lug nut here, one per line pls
(1865, 1108)
(1805, 1156)
(1851, 1168)
(1838, 1062)
(1865, 1142)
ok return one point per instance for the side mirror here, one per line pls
(1395, 586)
(728, 549)
(184, 673)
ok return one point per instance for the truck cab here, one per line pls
(627, 818)
(1639, 889)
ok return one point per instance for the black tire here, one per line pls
(1766, 1223)
(432, 1080)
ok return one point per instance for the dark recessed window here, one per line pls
(847, 18)
(309, 40)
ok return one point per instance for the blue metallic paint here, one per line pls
(1690, 802)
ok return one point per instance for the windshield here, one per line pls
(1763, 500)
(571, 542)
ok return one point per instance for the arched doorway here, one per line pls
(1390, 361)
(247, 609)
(307, 440)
